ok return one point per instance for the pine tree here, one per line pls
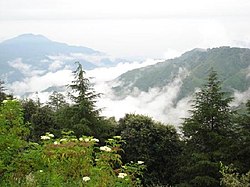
(207, 134)
(85, 116)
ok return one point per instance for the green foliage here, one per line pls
(230, 63)
(82, 116)
(13, 133)
(56, 101)
(84, 119)
(43, 121)
(30, 107)
(241, 146)
(207, 134)
(152, 142)
(231, 178)
(69, 161)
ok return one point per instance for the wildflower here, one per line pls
(117, 137)
(5, 101)
(50, 135)
(95, 140)
(45, 137)
(56, 143)
(122, 175)
(74, 140)
(110, 139)
(140, 162)
(86, 139)
(105, 148)
(40, 170)
(63, 140)
(30, 178)
(80, 139)
(85, 179)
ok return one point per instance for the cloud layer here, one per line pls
(159, 103)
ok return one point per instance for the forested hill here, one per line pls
(232, 65)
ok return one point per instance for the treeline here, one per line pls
(212, 147)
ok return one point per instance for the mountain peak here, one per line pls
(28, 38)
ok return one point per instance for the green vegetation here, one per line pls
(157, 144)
(230, 63)
(61, 144)
(66, 161)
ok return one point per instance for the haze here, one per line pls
(131, 29)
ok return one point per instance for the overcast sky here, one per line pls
(132, 29)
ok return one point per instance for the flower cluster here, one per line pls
(105, 148)
(122, 175)
(47, 136)
(86, 178)
(88, 139)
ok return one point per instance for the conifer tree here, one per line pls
(85, 116)
(207, 135)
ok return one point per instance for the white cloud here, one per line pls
(240, 97)
(157, 103)
(39, 83)
(101, 75)
(25, 69)
(55, 65)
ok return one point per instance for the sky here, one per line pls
(131, 29)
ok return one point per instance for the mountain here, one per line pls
(232, 65)
(28, 52)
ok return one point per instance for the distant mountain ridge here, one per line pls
(39, 53)
(232, 65)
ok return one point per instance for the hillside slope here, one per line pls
(232, 65)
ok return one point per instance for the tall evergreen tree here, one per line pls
(241, 146)
(207, 135)
(85, 118)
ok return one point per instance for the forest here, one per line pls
(61, 143)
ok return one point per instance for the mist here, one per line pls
(159, 103)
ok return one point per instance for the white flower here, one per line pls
(80, 139)
(95, 140)
(45, 137)
(85, 179)
(140, 162)
(74, 140)
(5, 101)
(117, 137)
(40, 170)
(51, 135)
(122, 175)
(56, 143)
(86, 139)
(105, 148)
(63, 140)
